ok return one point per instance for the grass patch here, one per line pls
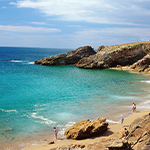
(138, 45)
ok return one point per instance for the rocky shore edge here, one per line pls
(131, 56)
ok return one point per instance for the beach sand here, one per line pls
(111, 129)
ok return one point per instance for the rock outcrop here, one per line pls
(86, 129)
(124, 55)
(100, 48)
(142, 65)
(139, 133)
(134, 56)
(71, 57)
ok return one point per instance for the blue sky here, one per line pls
(73, 23)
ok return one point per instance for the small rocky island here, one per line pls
(134, 56)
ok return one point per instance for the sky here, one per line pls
(73, 23)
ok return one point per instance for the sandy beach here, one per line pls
(111, 129)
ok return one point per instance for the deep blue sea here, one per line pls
(35, 98)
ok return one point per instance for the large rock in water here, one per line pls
(86, 129)
(71, 57)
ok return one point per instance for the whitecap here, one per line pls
(111, 121)
(62, 128)
(15, 60)
(43, 120)
(9, 110)
(148, 81)
(30, 63)
(144, 105)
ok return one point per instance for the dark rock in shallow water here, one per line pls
(71, 57)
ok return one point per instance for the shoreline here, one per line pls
(112, 115)
(111, 130)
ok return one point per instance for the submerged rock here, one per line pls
(7, 130)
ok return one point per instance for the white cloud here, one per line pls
(39, 23)
(95, 11)
(28, 29)
(82, 37)
(107, 36)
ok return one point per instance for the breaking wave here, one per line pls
(8, 110)
(42, 119)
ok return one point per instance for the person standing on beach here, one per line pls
(55, 132)
(122, 119)
(133, 107)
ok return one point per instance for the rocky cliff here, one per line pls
(135, 56)
(122, 55)
(71, 57)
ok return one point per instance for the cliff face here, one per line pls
(123, 55)
(135, 56)
(71, 57)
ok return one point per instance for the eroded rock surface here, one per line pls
(71, 57)
(112, 56)
(86, 129)
(134, 56)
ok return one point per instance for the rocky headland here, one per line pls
(132, 56)
(71, 57)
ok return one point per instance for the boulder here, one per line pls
(86, 128)
(71, 57)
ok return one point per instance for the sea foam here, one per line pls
(15, 60)
(146, 81)
(44, 120)
(8, 110)
(111, 121)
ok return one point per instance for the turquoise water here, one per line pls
(34, 98)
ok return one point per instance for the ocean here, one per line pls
(35, 98)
